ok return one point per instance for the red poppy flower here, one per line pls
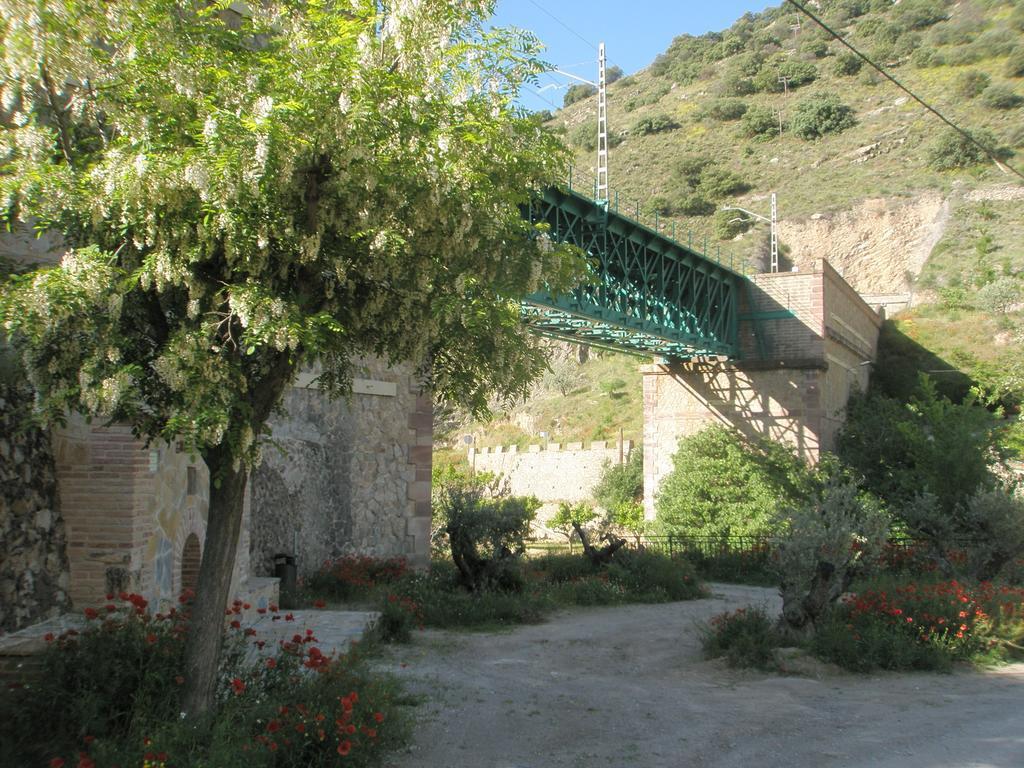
(236, 625)
(91, 613)
(344, 748)
(57, 762)
(84, 761)
(319, 604)
(300, 727)
(179, 680)
(271, 663)
(378, 716)
(88, 740)
(238, 686)
(273, 726)
(151, 638)
(48, 637)
(371, 732)
(289, 617)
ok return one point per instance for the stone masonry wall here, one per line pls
(34, 576)
(554, 473)
(349, 476)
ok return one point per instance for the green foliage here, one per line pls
(111, 692)
(820, 115)
(611, 386)
(760, 123)
(630, 518)
(951, 150)
(563, 375)
(577, 92)
(847, 64)
(971, 83)
(1015, 63)
(621, 483)
(653, 124)
(613, 74)
(705, 180)
(724, 484)
(1001, 97)
(728, 224)
(570, 515)
(769, 78)
(484, 528)
(826, 542)
(398, 617)
(189, 324)
(927, 445)
(745, 637)
(919, 14)
(652, 577)
(725, 109)
(999, 296)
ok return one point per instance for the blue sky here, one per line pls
(634, 32)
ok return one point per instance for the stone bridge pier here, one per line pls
(807, 340)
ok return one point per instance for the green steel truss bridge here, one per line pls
(650, 295)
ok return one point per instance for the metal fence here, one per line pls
(704, 546)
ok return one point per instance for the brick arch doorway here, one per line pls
(191, 556)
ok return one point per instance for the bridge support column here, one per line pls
(807, 340)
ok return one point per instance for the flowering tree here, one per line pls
(249, 193)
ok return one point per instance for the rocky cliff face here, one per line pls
(879, 246)
(33, 560)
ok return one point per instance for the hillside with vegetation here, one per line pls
(864, 176)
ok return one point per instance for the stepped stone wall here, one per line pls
(34, 575)
(553, 473)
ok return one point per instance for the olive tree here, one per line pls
(247, 193)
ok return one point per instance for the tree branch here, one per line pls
(60, 114)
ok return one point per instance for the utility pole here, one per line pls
(774, 221)
(784, 79)
(602, 127)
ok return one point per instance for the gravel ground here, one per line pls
(626, 686)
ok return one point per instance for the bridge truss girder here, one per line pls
(649, 295)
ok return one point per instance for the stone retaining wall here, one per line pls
(33, 560)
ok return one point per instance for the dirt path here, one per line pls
(627, 687)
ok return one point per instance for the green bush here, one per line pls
(1015, 63)
(399, 616)
(729, 224)
(820, 115)
(1001, 97)
(652, 577)
(970, 84)
(760, 123)
(999, 296)
(584, 136)
(621, 483)
(953, 150)
(654, 124)
(581, 514)
(847, 64)
(745, 638)
(695, 205)
(723, 484)
(920, 14)
(798, 73)
(577, 92)
(109, 694)
(484, 528)
(725, 109)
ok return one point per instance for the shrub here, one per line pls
(952, 150)
(930, 444)
(584, 136)
(724, 484)
(398, 617)
(654, 124)
(920, 14)
(760, 123)
(970, 84)
(621, 483)
(847, 63)
(729, 224)
(725, 109)
(1015, 63)
(821, 115)
(653, 577)
(909, 624)
(746, 637)
(999, 296)
(660, 205)
(1001, 97)
(484, 528)
(109, 694)
(826, 543)
(355, 576)
(797, 72)
(695, 205)
(577, 92)
(736, 84)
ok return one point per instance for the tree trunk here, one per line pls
(598, 556)
(206, 630)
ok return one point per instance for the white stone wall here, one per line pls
(553, 473)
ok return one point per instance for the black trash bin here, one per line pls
(284, 569)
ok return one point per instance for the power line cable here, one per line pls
(545, 11)
(992, 154)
